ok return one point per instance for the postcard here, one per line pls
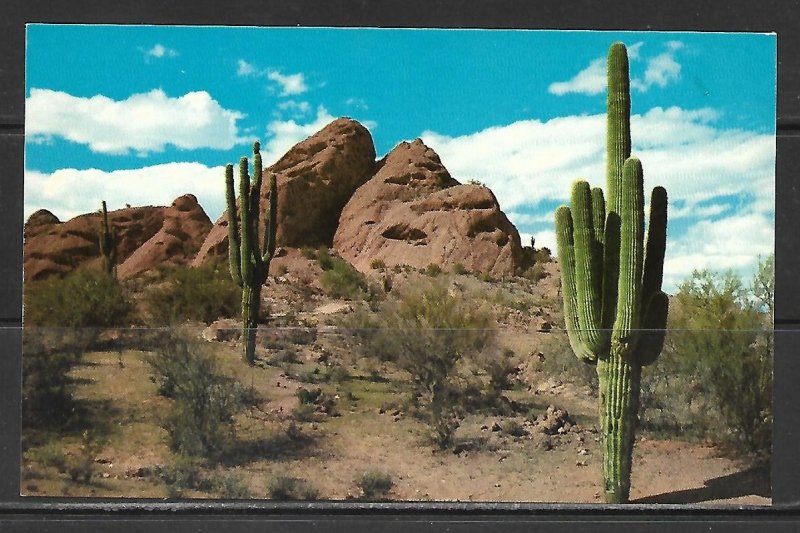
(398, 265)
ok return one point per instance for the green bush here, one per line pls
(433, 270)
(84, 298)
(377, 264)
(341, 280)
(559, 362)
(716, 381)
(460, 269)
(200, 420)
(204, 293)
(375, 484)
(535, 273)
(427, 330)
(285, 488)
(182, 473)
(230, 486)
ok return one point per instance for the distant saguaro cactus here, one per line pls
(615, 311)
(249, 265)
(108, 244)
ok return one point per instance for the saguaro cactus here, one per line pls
(615, 311)
(249, 265)
(108, 244)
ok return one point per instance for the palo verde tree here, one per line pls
(611, 276)
(249, 265)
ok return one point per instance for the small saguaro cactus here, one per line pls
(249, 262)
(614, 309)
(108, 243)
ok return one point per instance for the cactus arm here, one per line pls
(234, 258)
(255, 200)
(656, 245)
(566, 255)
(631, 255)
(271, 228)
(599, 216)
(654, 327)
(588, 268)
(618, 122)
(244, 223)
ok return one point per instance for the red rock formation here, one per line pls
(57, 248)
(316, 178)
(185, 228)
(413, 212)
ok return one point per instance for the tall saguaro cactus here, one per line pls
(611, 276)
(249, 261)
(108, 243)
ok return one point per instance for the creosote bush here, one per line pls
(200, 420)
(285, 488)
(427, 330)
(204, 293)
(375, 484)
(340, 279)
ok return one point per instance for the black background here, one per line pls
(781, 17)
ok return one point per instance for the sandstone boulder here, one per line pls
(413, 212)
(316, 178)
(57, 248)
(183, 231)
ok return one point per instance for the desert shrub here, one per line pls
(377, 264)
(542, 255)
(499, 365)
(80, 466)
(305, 412)
(286, 488)
(84, 298)
(460, 269)
(535, 273)
(204, 293)
(50, 454)
(324, 258)
(282, 269)
(714, 380)
(341, 280)
(426, 330)
(511, 426)
(200, 419)
(183, 472)
(308, 253)
(433, 270)
(375, 484)
(229, 485)
(48, 357)
(559, 362)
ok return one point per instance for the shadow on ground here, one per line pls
(753, 481)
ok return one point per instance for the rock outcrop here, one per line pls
(184, 230)
(413, 212)
(57, 248)
(316, 178)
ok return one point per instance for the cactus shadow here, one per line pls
(751, 481)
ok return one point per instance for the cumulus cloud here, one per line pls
(141, 123)
(69, 192)
(245, 69)
(530, 165)
(591, 80)
(731, 243)
(661, 70)
(283, 134)
(159, 51)
(290, 84)
(296, 109)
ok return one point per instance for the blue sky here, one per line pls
(140, 115)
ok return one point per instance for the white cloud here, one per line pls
(158, 51)
(357, 103)
(283, 134)
(591, 80)
(245, 69)
(660, 70)
(734, 243)
(531, 163)
(290, 84)
(69, 192)
(296, 109)
(142, 123)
